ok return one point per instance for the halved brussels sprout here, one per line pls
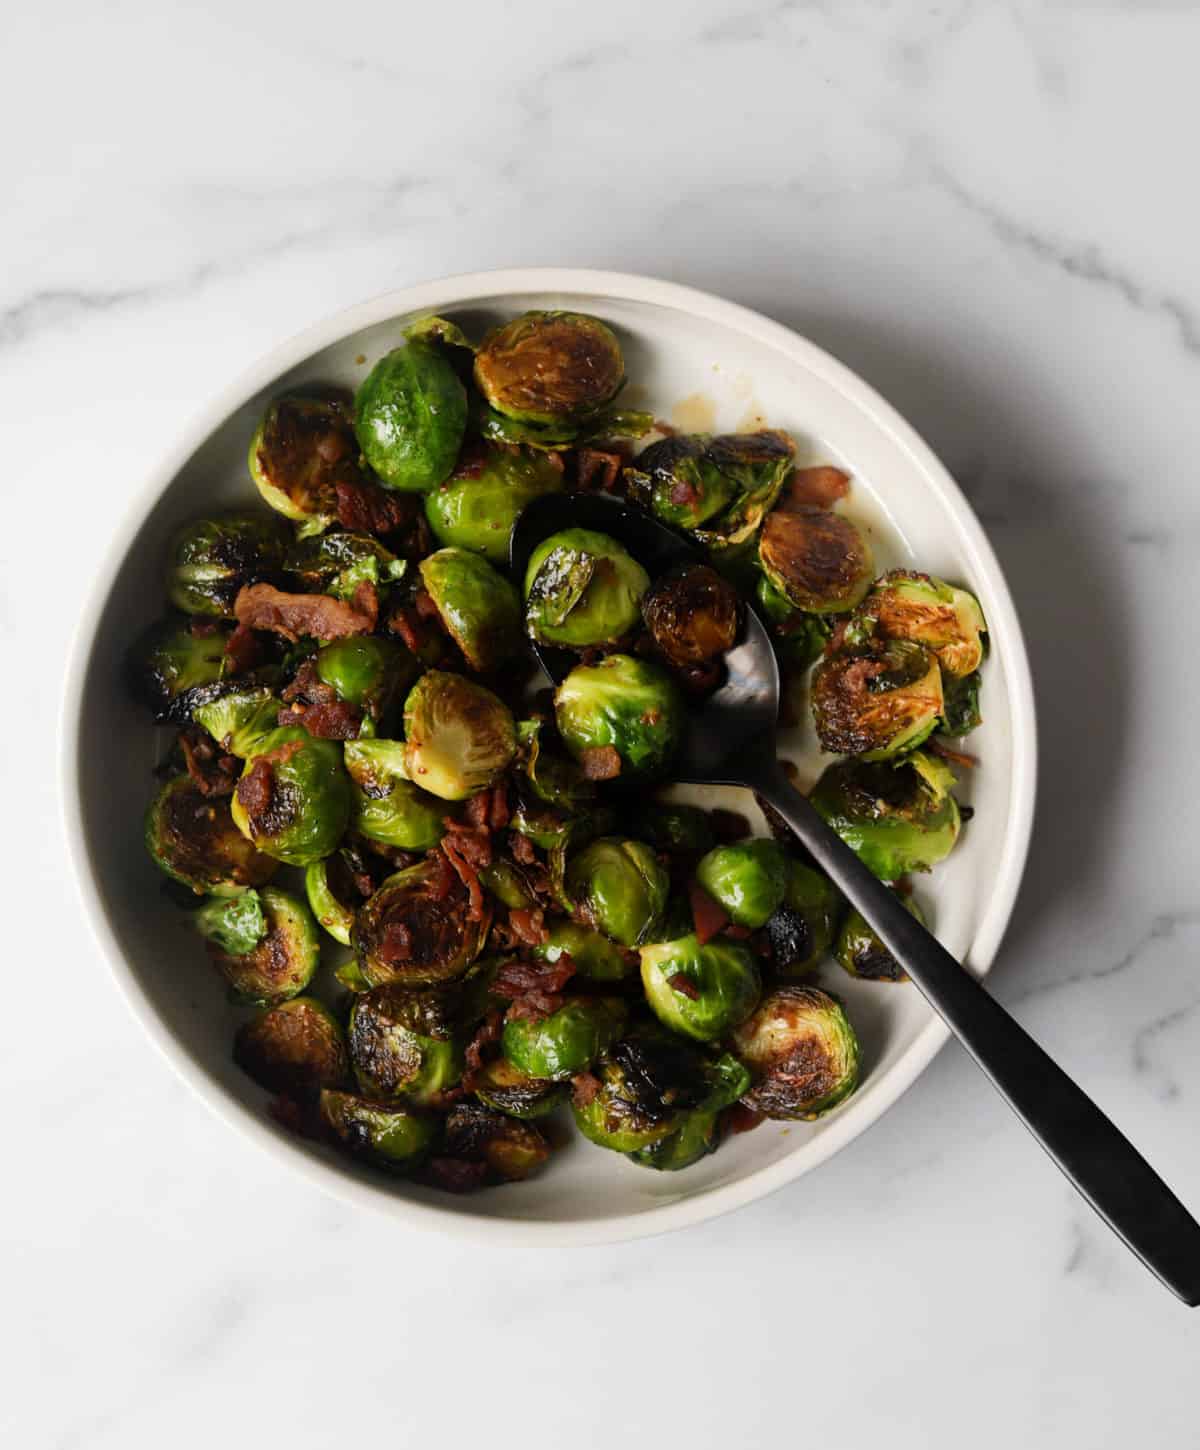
(300, 452)
(338, 563)
(415, 929)
(611, 422)
(478, 504)
(896, 816)
(816, 559)
(961, 713)
(802, 928)
(798, 638)
(406, 1043)
(918, 607)
(747, 879)
(861, 952)
(386, 1135)
(193, 839)
(565, 1042)
(550, 367)
(879, 700)
(647, 1081)
(387, 806)
(410, 416)
(477, 606)
(692, 614)
(582, 589)
(511, 1150)
(173, 670)
(293, 800)
(619, 886)
(500, 1085)
(460, 738)
(672, 827)
(700, 991)
(698, 1133)
(596, 958)
(330, 901)
(279, 965)
(241, 719)
(210, 559)
(296, 1048)
(802, 1053)
(628, 704)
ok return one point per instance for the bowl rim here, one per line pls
(598, 286)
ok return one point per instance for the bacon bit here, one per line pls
(202, 628)
(597, 469)
(522, 849)
(424, 605)
(365, 600)
(486, 1035)
(462, 850)
(708, 917)
(600, 762)
(528, 925)
(365, 507)
(682, 492)
(534, 988)
(334, 720)
(396, 943)
(457, 1175)
(403, 622)
(438, 887)
(477, 809)
(956, 757)
(818, 487)
(679, 982)
(499, 814)
(472, 843)
(255, 788)
(213, 775)
(309, 686)
(243, 650)
(585, 1088)
(262, 606)
(738, 1118)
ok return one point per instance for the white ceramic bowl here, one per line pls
(718, 366)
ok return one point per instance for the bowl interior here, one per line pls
(717, 369)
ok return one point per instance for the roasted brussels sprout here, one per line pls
(947, 621)
(210, 559)
(620, 886)
(300, 452)
(898, 817)
(293, 800)
(499, 1085)
(477, 606)
(550, 367)
(798, 638)
(296, 1048)
(366, 671)
(668, 826)
(386, 1135)
(879, 700)
(565, 1042)
(193, 839)
(816, 559)
(509, 1150)
(416, 929)
(339, 563)
(278, 965)
(406, 1043)
(628, 704)
(961, 712)
(700, 991)
(861, 952)
(173, 670)
(747, 879)
(410, 416)
(698, 1133)
(479, 503)
(328, 898)
(801, 1051)
(582, 589)
(387, 806)
(241, 719)
(596, 958)
(234, 924)
(801, 929)
(459, 737)
(692, 614)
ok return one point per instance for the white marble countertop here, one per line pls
(987, 209)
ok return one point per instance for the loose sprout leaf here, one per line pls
(236, 923)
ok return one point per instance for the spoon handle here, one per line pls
(1098, 1159)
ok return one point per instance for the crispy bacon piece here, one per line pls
(600, 762)
(307, 686)
(522, 849)
(476, 811)
(255, 788)
(708, 917)
(212, 774)
(366, 601)
(819, 487)
(262, 606)
(486, 1036)
(329, 720)
(468, 852)
(243, 650)
(584, 1088)
(534, 988)
(597, 469)
(529, 925)
(365, 507)
(683, 984)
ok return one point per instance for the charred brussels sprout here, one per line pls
(947, 621)
(698, 1134)
(596, 958)
(802, 928)
(460, 738)
(897, 817)
(173, 670)
(668, 826)
(509, 1150)
(565, 1042)
(293, 800)
(387, 806)
(961, 714)
(410, 416)
(406, 1043)
(628, 704)
(338, 563)
(329, 899)
(747, 879)
(799, 638)
(477, 606)
(209, 560)
(619, 885)
(301, 451)
(366, 671)
(801, 1051)
(499, 1085)
(278, 965)
(816, 559)
(416, 930)
(861, 952)
(550, 367)
(296, 1048)
(240, 720)
(386, 1135)
(193, 839)
(692, 615)
(700, 991)
(877, 701)
(582, 589)
(477, 506)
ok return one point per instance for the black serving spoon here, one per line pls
(730, 740)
